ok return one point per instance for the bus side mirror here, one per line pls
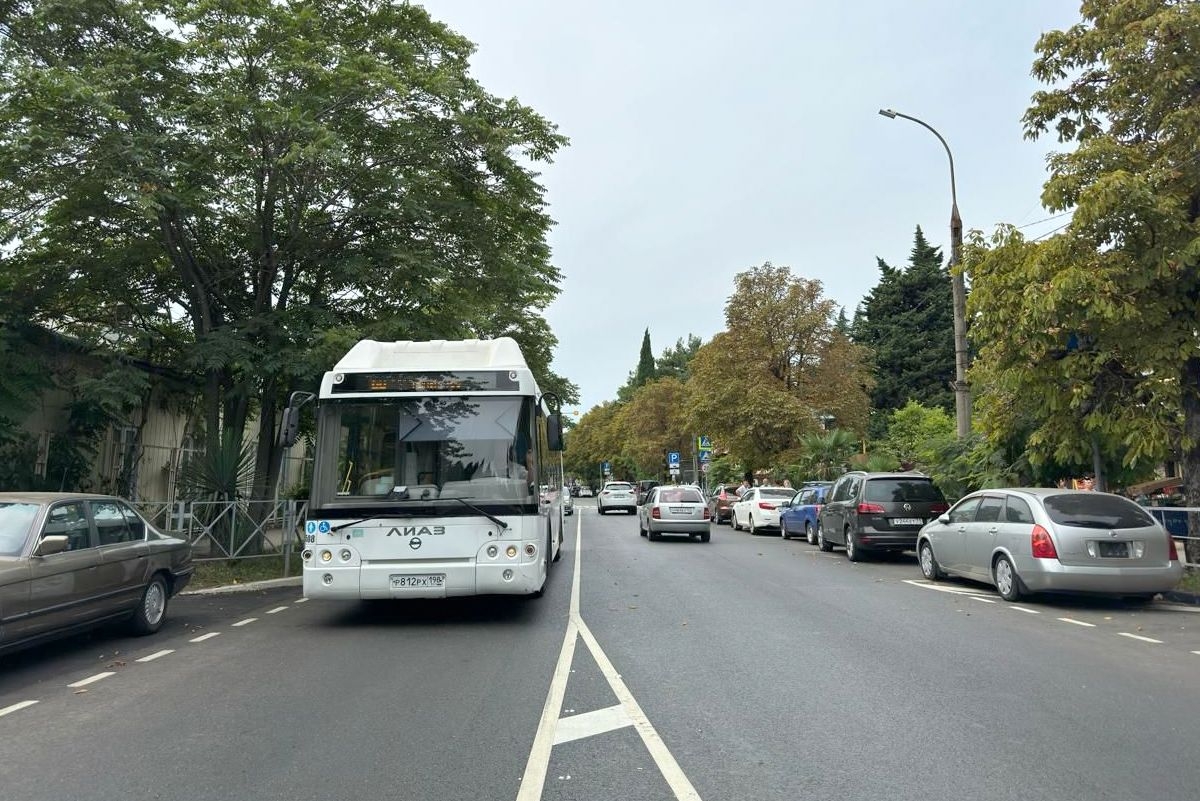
(289, 427)
(554, 434)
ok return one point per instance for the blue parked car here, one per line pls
(799, 515)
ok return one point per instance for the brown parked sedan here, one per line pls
(69, 561)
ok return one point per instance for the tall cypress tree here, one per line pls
(907, 321)
(645, 367)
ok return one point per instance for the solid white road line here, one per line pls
(299, 600)
(981, 599)
(1197, 653)
(204, 637)
(16, 707)
(90, 679)
(1023, 609)
(244, 622)
(156, 655)
(589, 724)
(1139, 637)
(276, 609)
(1077, 622)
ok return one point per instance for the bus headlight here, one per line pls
(326, 556)
(345, 554)
(511, 551)
(492, 550)
(530, 549)
(306, 556)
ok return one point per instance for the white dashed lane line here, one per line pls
(299, 600)
(981, 600)
(204, 637)
(1023, 609)
(91, 679)
(16, 707)
(156, 655)
(276, 609)
(1139, 637)
(241, 623)
(1077, 622)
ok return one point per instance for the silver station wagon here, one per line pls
(1025, 541)
(675, 509)
(72, 561)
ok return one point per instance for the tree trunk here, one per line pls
(1190, 457)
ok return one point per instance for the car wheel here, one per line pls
(733, 520)
(152, 609)
(1008, 583)
(753, 530)
(809, 535)
(641, 528)
(655, 536)
(929, 565)
(783, 532)
(822, 543)
(853, 551)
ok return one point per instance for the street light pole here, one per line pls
(958, 289)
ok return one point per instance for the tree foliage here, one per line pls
(1091, 335)
(256, 185)
(907, 321)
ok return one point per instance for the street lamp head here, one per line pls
(887, 112)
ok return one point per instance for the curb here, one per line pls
(1181, 597)
(250, 586)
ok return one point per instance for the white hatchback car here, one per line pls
(758, 508)
(617, 495)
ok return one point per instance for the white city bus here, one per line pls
(426, 482)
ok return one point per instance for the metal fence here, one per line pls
(1175, 521)
(227, 530)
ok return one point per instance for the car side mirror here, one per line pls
(52, 543)
(786, 504)
(944, 520)
(554, 431)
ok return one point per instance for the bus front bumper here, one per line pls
(435, 579)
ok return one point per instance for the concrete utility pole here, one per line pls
(958, 289)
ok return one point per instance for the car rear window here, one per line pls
(1095, 510)
(680, 496)
(782, 493)
(620, 487)
(897, 490)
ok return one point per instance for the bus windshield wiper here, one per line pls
(473, 507)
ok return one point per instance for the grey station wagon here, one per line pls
(72, 561)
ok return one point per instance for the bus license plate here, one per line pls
(418, 581)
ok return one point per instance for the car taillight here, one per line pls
(656, 513)
(1042, 545)
(765, 505)
(870, 509)
(708, 514)
(938, 508)
(1172, 551)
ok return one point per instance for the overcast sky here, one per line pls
(710, 136)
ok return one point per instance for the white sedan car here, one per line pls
(758, 508)
(617, 495)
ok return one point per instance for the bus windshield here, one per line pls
(417, 450)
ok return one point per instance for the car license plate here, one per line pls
(680, 510)
(908, 521)
(1118, 550)
(418, 581)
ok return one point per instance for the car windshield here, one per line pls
(15, 520)
(896, 490)
(1095, 510)
(425, 449)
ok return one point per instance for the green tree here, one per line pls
(293, 177)
(642, 373)
(674, 361)
(915, 433)
(1098, 324)
(907, 321)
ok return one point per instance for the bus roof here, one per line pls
(437, 354)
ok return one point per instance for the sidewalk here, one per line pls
(249, 586)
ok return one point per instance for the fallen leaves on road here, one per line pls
(81, 691)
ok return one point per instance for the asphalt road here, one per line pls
(744, 668)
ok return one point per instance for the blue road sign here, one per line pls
(705, 456)
(673, 459)
(703, 444)
(604, 467)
